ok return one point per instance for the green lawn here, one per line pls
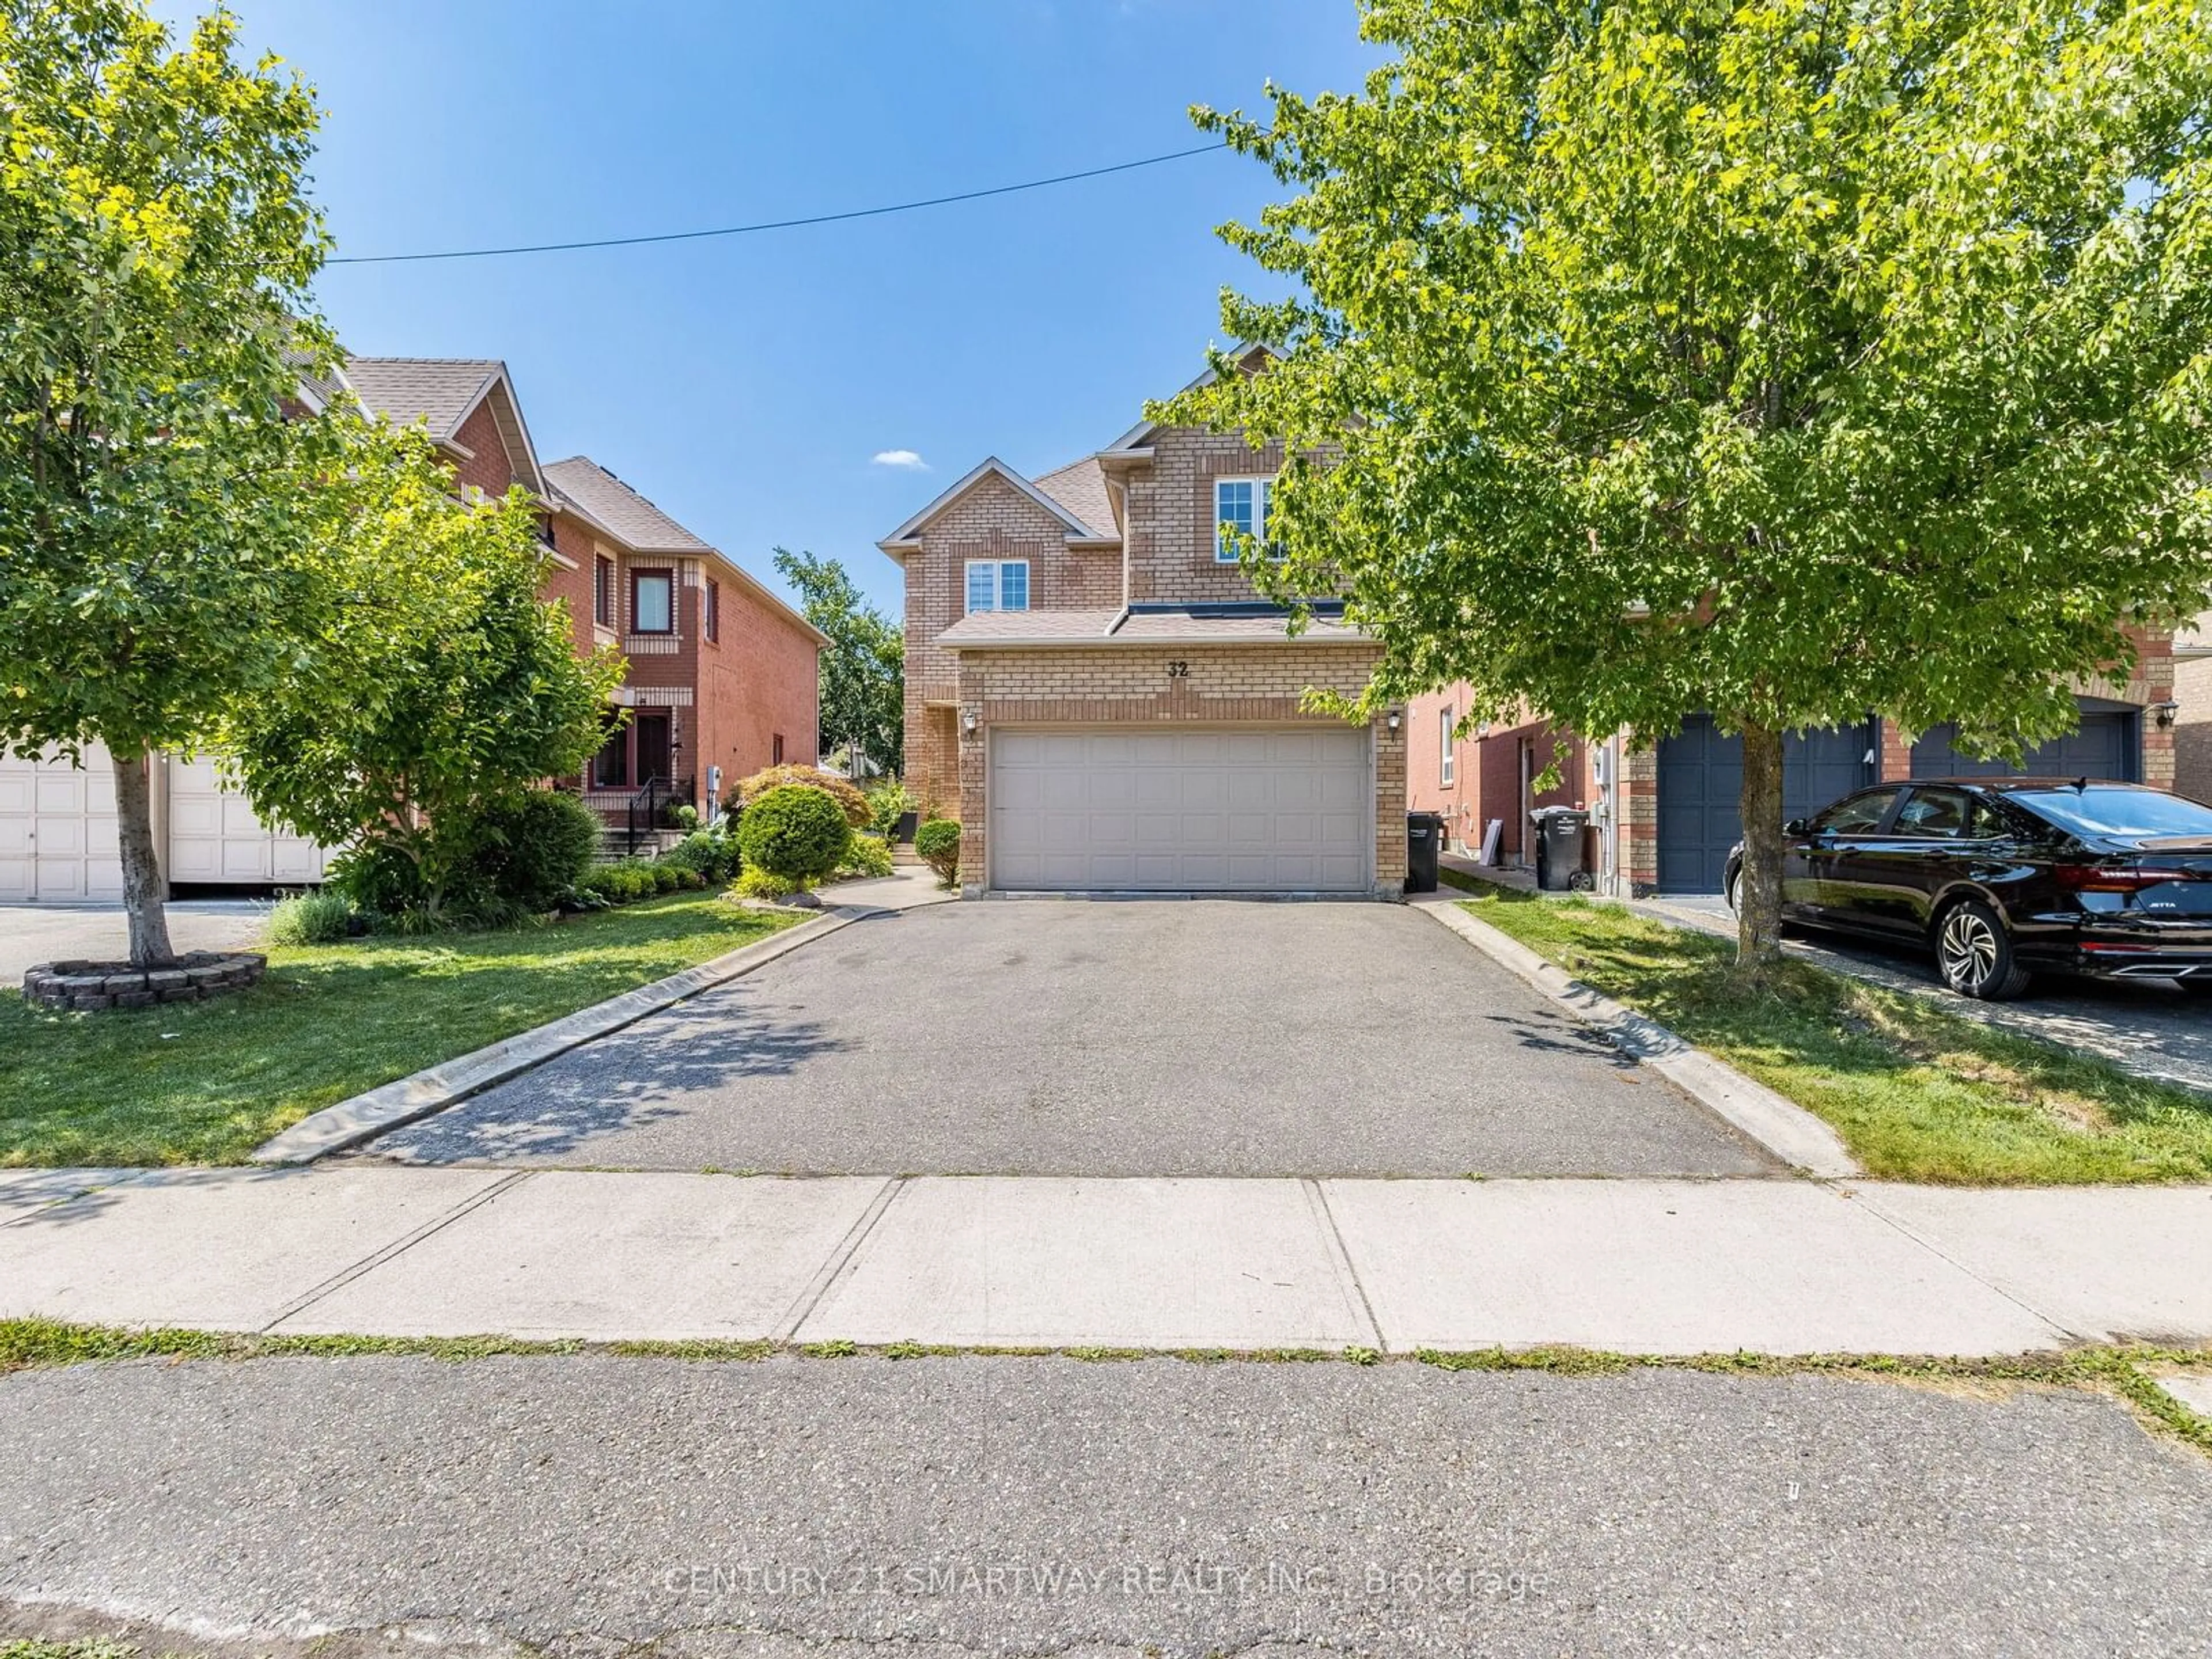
(1918, 1093)
(206, 1083)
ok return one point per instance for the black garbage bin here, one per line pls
(1558, 846)
(1424, 839)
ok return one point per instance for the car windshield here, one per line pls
(2095, 811)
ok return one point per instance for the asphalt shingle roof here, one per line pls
(618, 507)
(1080, 487)
(439, 391)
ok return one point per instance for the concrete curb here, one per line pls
(1781, 1126)
(433, 1090)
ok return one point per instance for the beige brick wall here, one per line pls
(1130, 685)
(992, 521)
(1171, 528)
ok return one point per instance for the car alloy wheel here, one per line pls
(1975, 956)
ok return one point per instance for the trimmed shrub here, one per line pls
(759, 884)
(868, 855)
(534, 849)
(668, 878)
(311, 919)
(795, 831)
(748, 793)
(937, 842)
(379, 879)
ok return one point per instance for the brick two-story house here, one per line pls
(1096, 691)
(722, 676)
(1664, 815)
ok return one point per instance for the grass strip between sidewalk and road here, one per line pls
(208, 1082)
(1918, 1093)
(2129, 1372)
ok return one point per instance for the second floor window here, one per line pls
(603, 591)
(998, 584)
(714, 623)
(1240, 505)
(651, 602)
(1445, 769)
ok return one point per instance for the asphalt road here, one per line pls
(1162, 1038)
(585, 1505)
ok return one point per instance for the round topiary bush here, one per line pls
(797, 832)
(748, 793)
(937, 843)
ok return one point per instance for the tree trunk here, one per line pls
(141, 869)
(1759, 896)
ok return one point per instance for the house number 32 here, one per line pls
(1178, 670)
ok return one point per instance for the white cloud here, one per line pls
(905, 459)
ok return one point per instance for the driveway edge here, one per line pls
(404, 1100)
(1780, 1124)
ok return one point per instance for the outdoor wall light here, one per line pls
(1391, 719)
(967, 721)
(2163, 712)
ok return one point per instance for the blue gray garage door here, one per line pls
(1701, 780)
(2105, 747)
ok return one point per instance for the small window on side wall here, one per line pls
(652, 602)
(998, 585)
(1445, 762)
(603, 591)
(713, 622)
(1240, 508)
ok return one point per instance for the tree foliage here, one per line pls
(439, 688)
(159, 514)
(863, 666)
(1793, 360)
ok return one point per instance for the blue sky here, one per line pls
(745, 384)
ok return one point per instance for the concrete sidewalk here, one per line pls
(1663, 1267)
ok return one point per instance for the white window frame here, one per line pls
(1263, 486)
(1445, 766)
(998, 568)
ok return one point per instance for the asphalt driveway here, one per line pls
(32, 933)
(1103, 1039)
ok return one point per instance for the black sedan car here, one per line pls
(2004, 878)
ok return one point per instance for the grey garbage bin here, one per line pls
(1559, 847)
(1424, 839)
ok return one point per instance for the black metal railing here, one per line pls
(653, 808)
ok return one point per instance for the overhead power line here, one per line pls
(773, 224)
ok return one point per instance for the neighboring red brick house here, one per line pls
(1664, 817)
(723, 677)
(1096, 691)
(1487, 773)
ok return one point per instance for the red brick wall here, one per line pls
(489, 466)
(758, 680)
(1486, 774)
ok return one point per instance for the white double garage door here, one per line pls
(58, 840)
(1218, 810)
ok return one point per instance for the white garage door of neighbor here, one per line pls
(1119, 811)
(57, 828)
(214, 835)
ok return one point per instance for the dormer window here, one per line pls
(998, 585)
(1240, 506)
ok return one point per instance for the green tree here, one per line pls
(1793, 360)
(158, 512)
(863, 667)
(439, 688)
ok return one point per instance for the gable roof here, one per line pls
(442, 392)
(1080, 487)
(629, 518)
(580, 485)
(1240, 354)
(1077, 529)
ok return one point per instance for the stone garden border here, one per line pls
(96, 986)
